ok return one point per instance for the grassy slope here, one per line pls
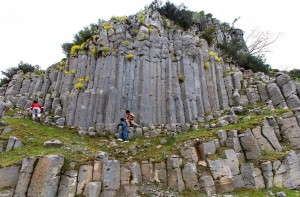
(34, 135)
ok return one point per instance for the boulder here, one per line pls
(9, 176)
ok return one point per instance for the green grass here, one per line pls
(33, 137)
(272, 155)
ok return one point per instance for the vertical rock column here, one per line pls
(46, 176)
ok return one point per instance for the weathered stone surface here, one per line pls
(92, 189)
(190, 177)
(269, 133)
(147, 170)
(234, 143)
(275, 95)
(219, 168)
(85, 175)
(9, 176)
(207, 148)
(190, 154)
(111, 175)
(262, 142)
(291, 180)
(282, 79)
(232, 161)
(207, 185)
(288, 89)
(263, 92)
(222, 135)
(293, 101)
(136, 177)
(239, 181)
(250, 146)
(25, 176)
(46, 176)
(290, 130)
(236, 98)
(53, 144)
(252, 176)
(160, 173)
(175, 180)
(224, 184)
(267, 174)
(68, 183)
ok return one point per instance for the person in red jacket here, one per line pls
(36, 109)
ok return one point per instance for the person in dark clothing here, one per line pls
(124, 130)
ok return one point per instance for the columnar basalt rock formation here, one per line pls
(171, 82)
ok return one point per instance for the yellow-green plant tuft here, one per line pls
(212, 53)
(143, 37)
(79, 86)
(206, 65)
(130, 56)
(151, 27)
(75, 49)
(105, 51)
(94, 51)
(218, 59)
(142, 18)
(107, 26)
(87, 79)
(181, 78)
(82, 46)
(126, 42)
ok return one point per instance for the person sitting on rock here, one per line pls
(124, 130)
(36, 109)
(130, 119)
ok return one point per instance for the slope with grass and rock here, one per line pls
(206, 126)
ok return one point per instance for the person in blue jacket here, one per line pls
(124, 130)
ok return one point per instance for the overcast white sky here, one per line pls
(33, 30)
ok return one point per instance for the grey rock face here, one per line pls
(290, 130)
(190, 177)
(207, 148)
(252, 176)
(53, 144)
(190, 154)
(275, 95)
(25, 176)
(85, 175)
(250, 146)
(46, 176)
(160, 173)
(92, 189)
(232, 161)
(9, 176)
(175, 180)
(207, 184)
(267, 174)
(220, 168)
(111, 175)
(68, 182)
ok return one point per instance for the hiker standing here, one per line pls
(130, 119)
(36, 109)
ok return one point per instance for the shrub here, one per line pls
(87, 79)
(66, 47)
(82, 46)
(95, 38)
(10, 72)
(206, 65)
(295, 74)
(73, 72)
(94, 51)
(79, 86)
(180, 15)
(130, 56)
(181, 78)
(75, 49)
(209, 35)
